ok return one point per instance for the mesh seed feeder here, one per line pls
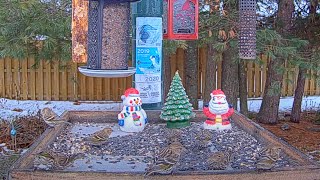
(247, 22)
(108, 39)
(180, 19)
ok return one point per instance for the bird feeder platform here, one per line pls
(105, 73)
(127, 156)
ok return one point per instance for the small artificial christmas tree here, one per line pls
(177, 110)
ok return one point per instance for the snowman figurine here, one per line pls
(218, 112)
(132, 118)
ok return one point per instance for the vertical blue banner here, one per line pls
(149, 58)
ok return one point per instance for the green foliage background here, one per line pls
(41, 29)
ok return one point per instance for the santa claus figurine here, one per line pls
(132, 118)
(218, 112)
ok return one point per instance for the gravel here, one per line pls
(124, 152)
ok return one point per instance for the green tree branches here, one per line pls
(41, 29)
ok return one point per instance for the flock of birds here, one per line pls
(167, 158)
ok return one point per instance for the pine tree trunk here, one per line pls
(298, 95)
(191, 73)
(210, 74)
(270, 103)
(243, 93)
(229, 77)
(167, 76)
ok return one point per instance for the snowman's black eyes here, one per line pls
(134, 99)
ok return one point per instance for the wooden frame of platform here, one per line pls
(22, 169)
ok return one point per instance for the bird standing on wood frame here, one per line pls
(50, 117)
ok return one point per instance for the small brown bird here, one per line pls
(205, 138)
(166, 159)
(268, 157)
(272, 152)
(50, 117)
(265, 163)
(171, 152)
(99, 136)
(219, 160)
(60, 160)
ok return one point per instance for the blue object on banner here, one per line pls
(148, 60)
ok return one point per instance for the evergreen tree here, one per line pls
(177, 110)
(40, 29)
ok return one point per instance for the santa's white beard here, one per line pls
(218, 108)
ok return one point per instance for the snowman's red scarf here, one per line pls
(130, 109)
(213, 116)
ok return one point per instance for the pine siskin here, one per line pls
(60, 160)
(99, 137)
(161, 168)
(167, 159)
(265, 163)
(273, 152)
(268, 157)
(204, 138)
(219, 160)
(50, 117)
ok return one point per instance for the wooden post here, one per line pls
(56, 81)
(8, 72)
(2, 79)
(40, 80)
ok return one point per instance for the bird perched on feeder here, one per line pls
(166, 159)
(50, 117)
(99, 137)
(268, 157)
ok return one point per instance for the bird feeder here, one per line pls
(247, 38)
(180, 19)
(108, 39)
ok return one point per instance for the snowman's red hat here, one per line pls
(217, 92)
(130, 92)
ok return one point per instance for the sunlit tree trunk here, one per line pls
(270, 104)
(298, 94)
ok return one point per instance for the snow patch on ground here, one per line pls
(308, 103)
(9, 109)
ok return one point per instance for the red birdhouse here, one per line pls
(181, 19)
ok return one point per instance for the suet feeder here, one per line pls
(247, 38)
(180, 19)
(108, 39)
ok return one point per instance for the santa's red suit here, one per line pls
(218, 111)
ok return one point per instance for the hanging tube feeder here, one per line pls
(108, 39)
(247, 38)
